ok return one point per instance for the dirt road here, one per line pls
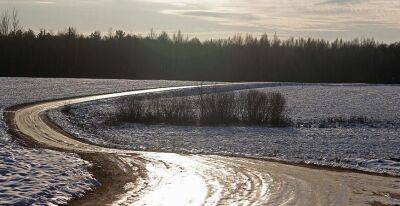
(148, 178)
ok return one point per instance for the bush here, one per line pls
(278, 106)
(136, 110)
(130, 110)
(179, 111)
(257, 108)
(217, 108)
(251, 108)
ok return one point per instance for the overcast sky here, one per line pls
(218, 18)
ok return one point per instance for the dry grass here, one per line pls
(67, 110)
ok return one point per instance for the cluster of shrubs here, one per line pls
(177, 110)
(227, 108)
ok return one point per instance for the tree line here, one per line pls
(163, 56)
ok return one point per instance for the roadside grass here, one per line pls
(226, 108)
(341, 121)
(347, 121)
(67, 110)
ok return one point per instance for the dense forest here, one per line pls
(161, 56)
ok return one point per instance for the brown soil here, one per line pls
(113, 175)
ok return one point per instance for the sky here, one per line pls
(328, 19)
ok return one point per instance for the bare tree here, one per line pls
(110, 33)
(96, 35)
(119, 34)
(71, 33)
(152, 34)
(5, 23)
(16, 26)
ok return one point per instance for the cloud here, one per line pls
(26, 2)
(44, 2)
(293, 15)
(341, 1)
(287, 17)
(214, 15)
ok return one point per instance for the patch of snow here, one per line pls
(310, 102)
(36, 176)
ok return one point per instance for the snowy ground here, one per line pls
(43, 176)
(369, 147)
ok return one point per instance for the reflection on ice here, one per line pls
(173, 180)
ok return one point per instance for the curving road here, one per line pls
(177, 179)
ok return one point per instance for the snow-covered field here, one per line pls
(42, 176)
(370, 147)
